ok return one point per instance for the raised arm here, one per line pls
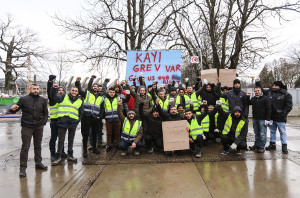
(120, 111)
(78, 85)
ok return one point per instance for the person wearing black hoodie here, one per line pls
(194, 128)
(207, 92)
(282, 104)
(235, 130)
(53, 118)
(237, 97)
(154, 129)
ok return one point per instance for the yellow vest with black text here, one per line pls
(91, 105)
(128, 134)
(195, 128)
(228, 125)
(111, 110)
(67, 108)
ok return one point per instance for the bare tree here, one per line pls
(16, 45)
(111, 27)
(230, 33)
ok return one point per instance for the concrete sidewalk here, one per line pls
(271, 174)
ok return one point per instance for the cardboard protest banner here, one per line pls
(175, 135)
(226, 77)
(211, 75)
(160, 66)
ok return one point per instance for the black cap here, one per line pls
(236, 81)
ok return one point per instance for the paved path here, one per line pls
(271, 174)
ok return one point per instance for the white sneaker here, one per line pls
(123, 153)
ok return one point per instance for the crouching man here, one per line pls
(195, 129)
(132, 131)
(235, 130)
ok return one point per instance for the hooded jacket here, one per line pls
(122, 118)
(235, 121)
(282, 104)
(138, 99)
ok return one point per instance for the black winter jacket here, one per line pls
(239, 99)
(34, 111)
(261, 107)
(282, 104)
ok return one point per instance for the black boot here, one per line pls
(284, 149)
(53, 155)
(271, 147)
(198, 152)
(96, 151)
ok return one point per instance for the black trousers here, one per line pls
(198, 141)
(87, 123)
(228, 140)
(27, 134)
(157, 141)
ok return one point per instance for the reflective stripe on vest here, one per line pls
(225, 105)
(195, 128)
(67, 108)
(111, 109)
(128, 134)
(205, 124)
(194, 99)
(54, 111)
(216, 119)
(228, 125)
(91, 105)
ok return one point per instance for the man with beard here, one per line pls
(153, 134)
(69, 114)
(207, 92)
(34, 117)
(235, 130)
(194, 128)
(53, 117)
(132, 131)
(282, 104)
(90, 118)
(237, 97)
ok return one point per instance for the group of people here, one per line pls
(134, 114)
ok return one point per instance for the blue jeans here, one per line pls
(282, 131)
(99, 134)
(124, 145)
(260, 131)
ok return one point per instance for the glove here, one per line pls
(51, 77)
(186, 80)
(205, 81)
(268, 122)
(233, 146)
(127, 91)
(204, 137)
(106, 80)
(216, 130)
(190, 101)
(140, 74)
(93, 76)
(219, 102)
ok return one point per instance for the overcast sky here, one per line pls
(36, 14)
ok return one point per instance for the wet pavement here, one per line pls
(270, 174)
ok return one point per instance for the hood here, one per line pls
(236, 108)
(119, 86)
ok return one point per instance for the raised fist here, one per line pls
(78, 79)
